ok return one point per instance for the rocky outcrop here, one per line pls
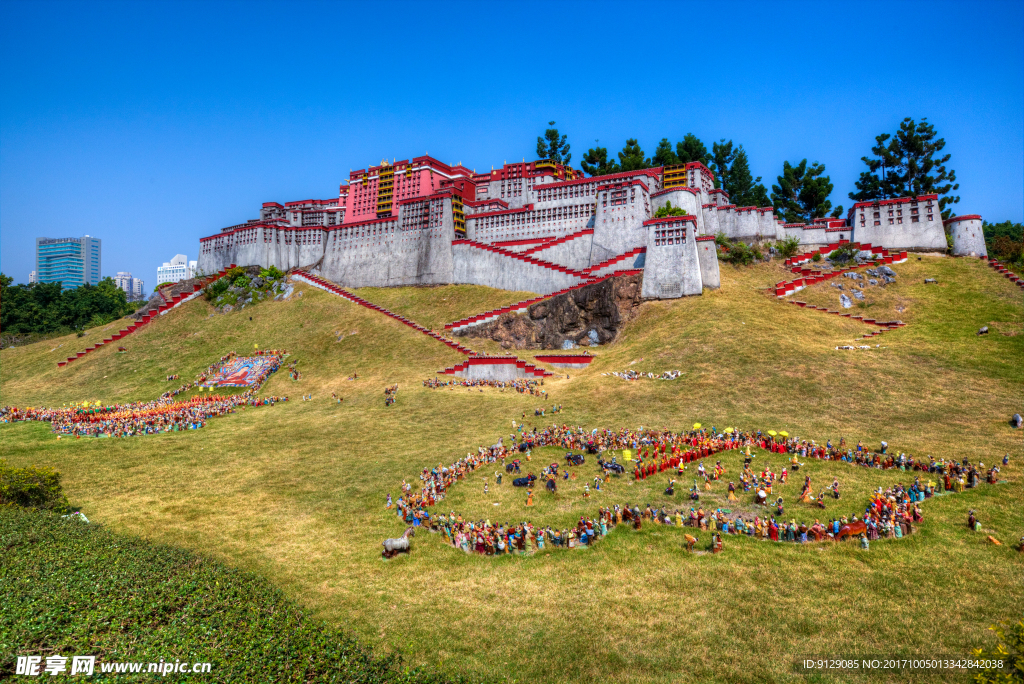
(586, 317)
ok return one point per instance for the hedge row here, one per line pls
(70, 588)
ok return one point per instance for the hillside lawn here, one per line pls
(296, 492)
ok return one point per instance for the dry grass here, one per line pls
(297, 491)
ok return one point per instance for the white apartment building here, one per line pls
(177, 269)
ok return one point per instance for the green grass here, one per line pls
(296, 492)
(75, 589)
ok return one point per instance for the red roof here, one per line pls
(675, 189)
(669, 219)
(501, 212)
(965, 217)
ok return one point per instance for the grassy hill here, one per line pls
(296, 492)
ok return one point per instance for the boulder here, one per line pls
(930, 280)
(566, 344)
(845, 301)
(889, 279)
(886, 271)
(1016, 421)
(857, 294)
(873, 281)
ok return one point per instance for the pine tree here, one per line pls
(691, 149)
(631, 158)
(802, 193)
(552, 147)
(664, 156)
(906, 165)
(722, 158)
(595, 162)
(744, 190)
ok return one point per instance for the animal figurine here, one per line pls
(392, 547)
(852, 530)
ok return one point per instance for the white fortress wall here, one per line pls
(707, 256)
(968, 238)
(475, 265)
(766, 223)
(622, 208)
(907, 223)
(746, 223)
(686, 198)
(572, 251)
(710, 213)
(672, 267)
(727, 220)
(813, 234)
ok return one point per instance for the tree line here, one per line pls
(44, 308)
(906, 163)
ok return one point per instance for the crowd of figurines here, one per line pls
(389, 395)
(890, 513)
(152, 417)
(521, 385)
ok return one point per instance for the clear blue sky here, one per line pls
(150, 125)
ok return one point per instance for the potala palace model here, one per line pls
(542, 227)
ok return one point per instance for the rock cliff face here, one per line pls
(588, 316)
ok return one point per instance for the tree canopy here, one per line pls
(595, 162)
(802, 193)
(691, 149)
(908, 164)
(732, 174)
(553, 147)
(631, 158)
(45, 308)
(664, 155)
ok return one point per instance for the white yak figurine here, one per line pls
(393, 546)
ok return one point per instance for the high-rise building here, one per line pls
(32, 277)
(178, 268)
(72, 262)
(131, 286)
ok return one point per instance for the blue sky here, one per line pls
(150, 125)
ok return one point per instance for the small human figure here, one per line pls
(529, 497)
(691, 541)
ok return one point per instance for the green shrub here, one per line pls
(32, 487)
(217, 289)
(789, 247)
(272, 273)
(816, 258)
(162, 285)
(241, 281)
(739, 254)
(721, 240)
(234, 273)
(1010, 650)
(1006, 249)
(71, 588)
(669, 210)
(844, 254)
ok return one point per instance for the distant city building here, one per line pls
(72, 262)
(177, 269)
(32, 277)
(131, 286)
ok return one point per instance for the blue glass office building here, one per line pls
(69, 261)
